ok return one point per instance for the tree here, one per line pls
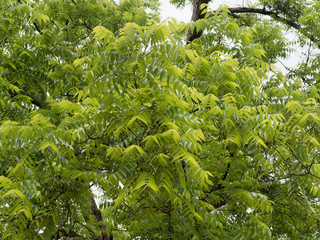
(204, 140)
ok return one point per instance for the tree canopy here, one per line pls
(115, 125)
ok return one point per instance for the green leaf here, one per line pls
(46, 144)
(133, 149)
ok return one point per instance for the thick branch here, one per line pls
(35, 99)
(233, 11)
(263, 11)
(196, 15)
(95, 211)
(276, 17)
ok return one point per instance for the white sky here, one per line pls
(168, 10)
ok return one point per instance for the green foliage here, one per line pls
(180, 3)
(291, 9)
(102, 103)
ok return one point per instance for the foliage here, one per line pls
(179, 3)
(292, 9)
(101, 103)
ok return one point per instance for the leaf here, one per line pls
(14, 193)
(169, 135)
(79, 62)
(293, 107)
(46, 144)
(5, 182)
(141, 181)
(150, 141)
(151, 182)
(133, 149)
(101, 32)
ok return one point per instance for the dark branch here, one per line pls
(95, 211)
(233, 12)
(196, 15)
(263, 11)
(276, 17)
(35, 99)
(37, 27)
(34, 23)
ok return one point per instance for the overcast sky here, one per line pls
(168, 10)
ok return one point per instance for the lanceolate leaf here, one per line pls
(113, 126)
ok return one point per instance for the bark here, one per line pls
(196, 15)
(95, 211)
(263, 11)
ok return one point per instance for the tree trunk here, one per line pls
(98, 215)
(196, 15)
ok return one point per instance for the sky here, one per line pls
(168, 10)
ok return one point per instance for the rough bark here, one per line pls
(196, 15)
(95, 211)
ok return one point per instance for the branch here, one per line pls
(35, 99)
(233, 11)
(275, 16)
(196, 15)
(95, 211)
(37, 27)
(186, 177)
(263, 11)
(92, 232)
